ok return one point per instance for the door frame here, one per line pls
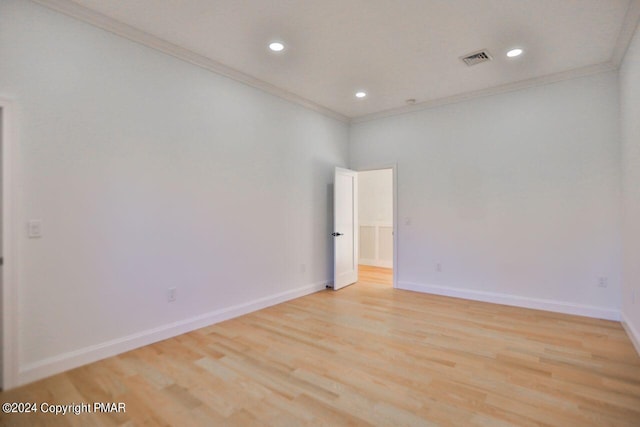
(9, 286)
(394, 187)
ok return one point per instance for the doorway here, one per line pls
(8, 300)
(376, 227)
(2, 293)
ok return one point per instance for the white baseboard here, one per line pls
(376, 262)
(633, 333)
(517, 301)
(83, 356)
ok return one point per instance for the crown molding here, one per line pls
(629, 27)
(510, 87)
(121, 29)
(70, 8)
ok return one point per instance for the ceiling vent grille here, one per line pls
(477, 57)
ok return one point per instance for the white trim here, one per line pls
(75, 358)
(496, 90)
(633, 333)
(628, 29)
(121, 29)
(9, 282)
(395, 225)
(516, 301)
(114, 26)
(376, 262)
(376, 223)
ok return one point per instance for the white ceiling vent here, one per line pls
(476, 57)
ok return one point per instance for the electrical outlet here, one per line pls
(439, 268)
(171, 294)
(602, 282)
(34, 228)
(303, 268)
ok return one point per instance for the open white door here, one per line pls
(345, 228)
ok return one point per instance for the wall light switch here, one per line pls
(34, 228)
(603, 282)
(171, 294)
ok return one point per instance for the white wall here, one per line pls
(375, 216)
(515, 195)
(630, 113)
(375, 196)
(149, 173)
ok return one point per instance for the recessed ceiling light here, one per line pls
(514, 52)
(361, 94)
(276, 46)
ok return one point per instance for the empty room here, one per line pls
(320, 212)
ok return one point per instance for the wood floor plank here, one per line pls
(367, 354)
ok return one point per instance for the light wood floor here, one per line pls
(367, 354)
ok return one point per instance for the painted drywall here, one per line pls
(375, 216)
(375, 196)
(630, 112)
(149, 173)
(515, 195)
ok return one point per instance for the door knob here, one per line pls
(337, 234)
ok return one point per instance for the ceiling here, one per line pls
(393, 50)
